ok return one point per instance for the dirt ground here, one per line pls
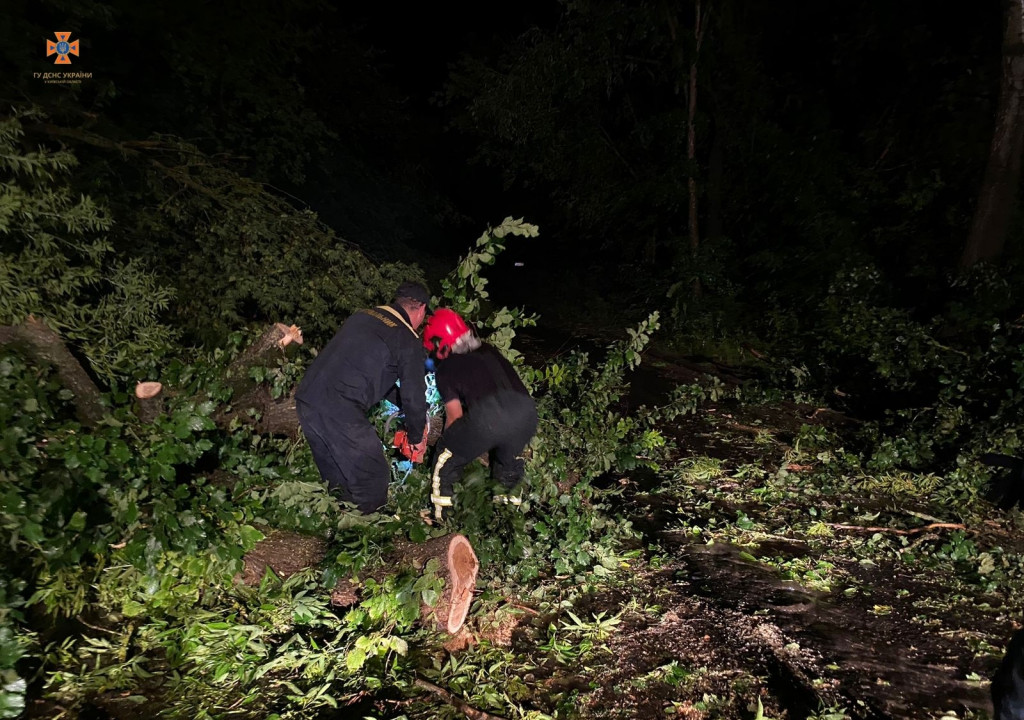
(708, 631)
(891, 651)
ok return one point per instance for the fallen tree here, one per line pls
(43, 346)
(286, 553)
(251, 401)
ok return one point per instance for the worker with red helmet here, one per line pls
(487, 409)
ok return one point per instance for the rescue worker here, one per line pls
(487, 409)
(372, 351)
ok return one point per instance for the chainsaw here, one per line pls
(401, 442)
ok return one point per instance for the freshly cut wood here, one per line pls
(263, 352)
(149, 401)
(287, 553)
(148, 390)
(458, 569)
(44, 346)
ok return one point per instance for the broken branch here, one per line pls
(897, 531)
(458, 703)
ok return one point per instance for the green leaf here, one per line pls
(355, 659)
(77, 522)
(198, 423)
(12, 698)
(132, 608)
(120, 452)
(250, 535)
(33, 532)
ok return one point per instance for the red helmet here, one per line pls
(443, 328)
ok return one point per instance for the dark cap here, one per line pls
(414, 291)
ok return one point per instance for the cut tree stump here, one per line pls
(149, 401)
(287, 553)
(458, 569)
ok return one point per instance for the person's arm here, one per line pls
(414, 389)
(452, 412)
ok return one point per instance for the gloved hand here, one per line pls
(508, 499)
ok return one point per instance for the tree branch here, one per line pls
(44, 346)
(896, 531)
(458, 703)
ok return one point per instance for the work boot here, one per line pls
(440, 509)
(510, 496)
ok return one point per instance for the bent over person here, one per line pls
(487, 409)
(374, 349)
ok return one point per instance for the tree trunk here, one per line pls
(458, 569)
(700, 22)
(252, 402)
(287, 553)
(691, 145)
(716, 179)
(44, 346)
(263, 352)
(149, 401)
(997, 198)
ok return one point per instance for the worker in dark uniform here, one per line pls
(487, 409)
(373, 350)
(1008, 683)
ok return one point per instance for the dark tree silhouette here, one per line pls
(998, 195)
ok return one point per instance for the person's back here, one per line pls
(360, 363)
(474, 376)
(1008, 683)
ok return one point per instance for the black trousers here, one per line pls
(501, 425)
(348, 453)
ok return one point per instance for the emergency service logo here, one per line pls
(62, 48)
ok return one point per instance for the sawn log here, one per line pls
(287, 553)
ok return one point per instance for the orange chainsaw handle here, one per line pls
(401, 442)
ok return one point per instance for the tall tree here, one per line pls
(998, 195)
(699, 27)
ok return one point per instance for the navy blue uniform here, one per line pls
(359, 367)
(499, 417)
(1008, 682)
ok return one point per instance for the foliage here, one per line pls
(931, 387)
(56, 261)
(464, 290)
(136, 531)
(239, 253)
